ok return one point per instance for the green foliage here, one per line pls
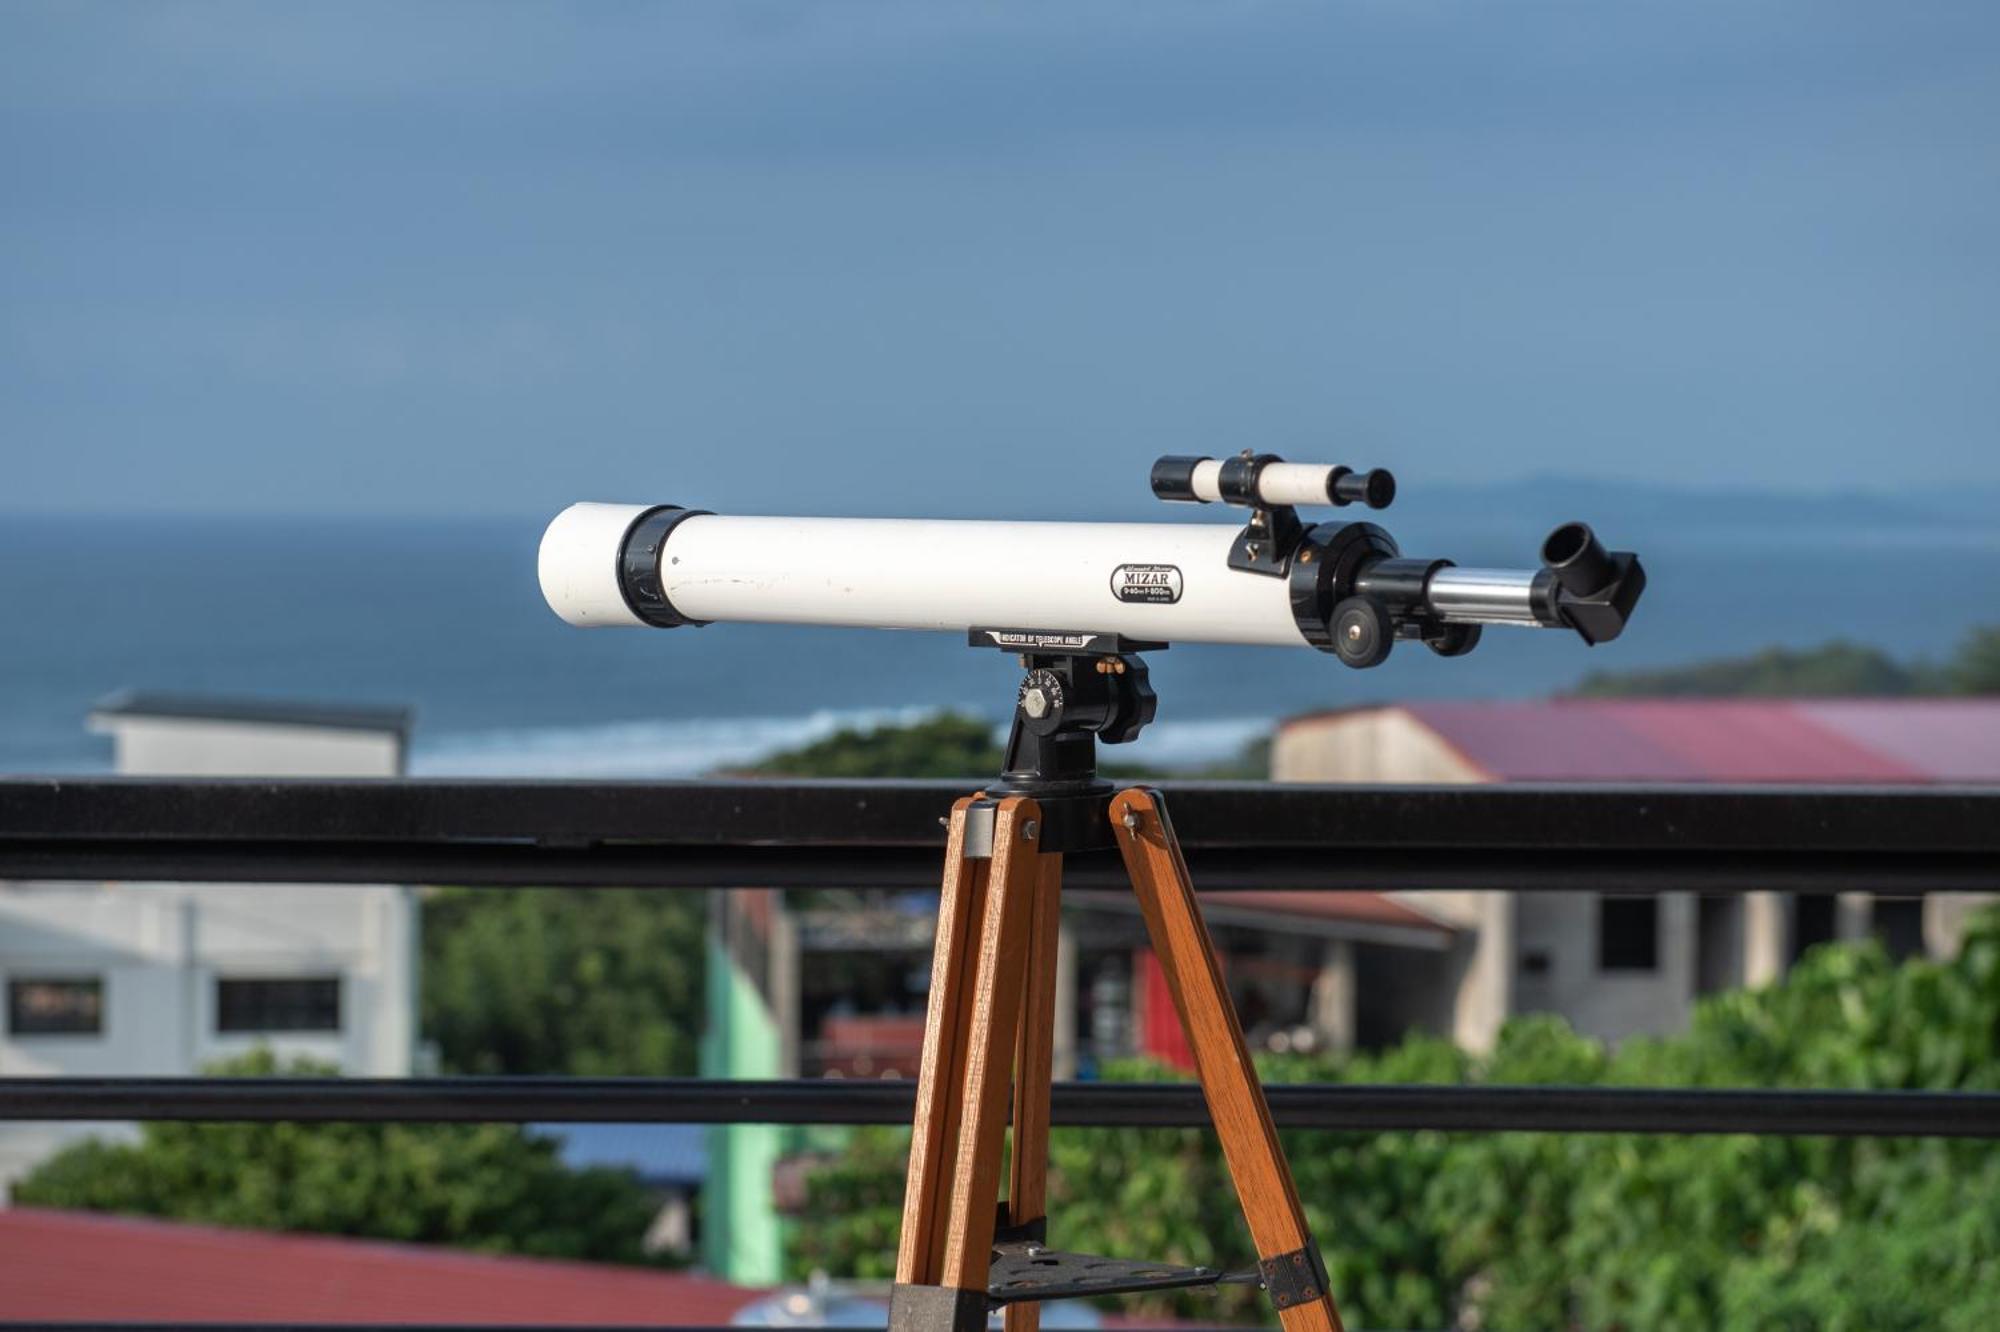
(1837, 668)
(591, 982)
(953, 744)
(488, 1186)
(1831, 669)
(1573, 1230)
(947, 745)
(1976, 667)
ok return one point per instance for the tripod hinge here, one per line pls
(1298, 1277)
(980, 818)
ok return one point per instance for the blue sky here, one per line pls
(490, 258)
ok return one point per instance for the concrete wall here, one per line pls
(160, 949)
(1369, 745)
(1562, 927)
(1484, 977)
(198, 747)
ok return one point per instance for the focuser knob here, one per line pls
(1363, 632)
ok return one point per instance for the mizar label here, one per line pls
(1158, 584)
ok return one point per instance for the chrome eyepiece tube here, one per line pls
(1491, 596)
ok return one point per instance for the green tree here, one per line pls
(591, 982)
(956, 745)
(489, 1186)
(1552, 1230)
(948, 745)
(1830, 669)
(1975, 668)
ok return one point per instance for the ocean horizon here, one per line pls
(444, 616)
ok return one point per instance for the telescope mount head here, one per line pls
(1079, 688)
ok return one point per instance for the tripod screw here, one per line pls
(1035, 703)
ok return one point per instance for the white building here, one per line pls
(1617, 966)
(125, 979)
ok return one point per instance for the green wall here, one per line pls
(742, 1236)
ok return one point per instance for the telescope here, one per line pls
(1342, 587)
(1078, 602)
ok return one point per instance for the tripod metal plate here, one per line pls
(1025, 1270)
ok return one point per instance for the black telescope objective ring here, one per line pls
(1329, 557)
(639, 577)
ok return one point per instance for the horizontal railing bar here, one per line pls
(381, 1327)
(885, 834)
(1899, 873)
(1335, 1106)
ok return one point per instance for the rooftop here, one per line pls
(1848, 740)
(257, 711)
(81, 1265)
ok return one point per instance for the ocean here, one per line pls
(445, 616)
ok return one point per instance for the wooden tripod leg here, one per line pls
(1293, 1272)
(978, 973)
(1034, 1060)
(998, 1001)
(934, 1133)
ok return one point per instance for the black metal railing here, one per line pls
(708, 835)
(1900, 840)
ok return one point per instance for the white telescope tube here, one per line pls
(1152, 581)
(607, 565)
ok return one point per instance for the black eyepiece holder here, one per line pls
(1596, 588)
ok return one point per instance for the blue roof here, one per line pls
(656, 1153)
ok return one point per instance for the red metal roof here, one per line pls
(1356, 908)
(1335, 907)
(1724, 740)
(81, 1265)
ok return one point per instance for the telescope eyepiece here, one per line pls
(1578, 560)
(1375, 488)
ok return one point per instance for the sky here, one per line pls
(483, 258)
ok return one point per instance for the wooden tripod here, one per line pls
(992, 1023)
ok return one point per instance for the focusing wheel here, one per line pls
(1362, 632)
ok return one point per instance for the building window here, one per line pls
(1814, 922)
(50, 1007)
(1899, 924)
(304, 1003)
(1628, 933)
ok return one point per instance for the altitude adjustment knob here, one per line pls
(1041, 701)
(1362, 632)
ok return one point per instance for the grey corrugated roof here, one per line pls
(268, 711)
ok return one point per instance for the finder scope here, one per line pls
(1343, 587)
